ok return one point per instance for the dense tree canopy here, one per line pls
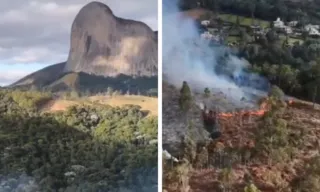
(86, 148)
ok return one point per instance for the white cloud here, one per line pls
(38, 31)
(8, 77)
(31, 55)
(38, 25)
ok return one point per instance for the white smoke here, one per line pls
(22, 183)
(186, 57)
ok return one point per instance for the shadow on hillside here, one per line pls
(39, 153)
(97, 84)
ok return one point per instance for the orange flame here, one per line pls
(260, 112)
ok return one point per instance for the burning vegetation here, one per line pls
(271, 149)
(249, 113)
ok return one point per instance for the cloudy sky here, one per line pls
(36, 33)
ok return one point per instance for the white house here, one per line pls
(288, 30)
(206, 35)
(293, 23)
(310, 26)
(314, 32)
(205, 22)
(278, 23)
(312, 29)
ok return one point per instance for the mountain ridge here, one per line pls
(97, 51)
(107, 45)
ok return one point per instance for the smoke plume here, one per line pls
(187, 57)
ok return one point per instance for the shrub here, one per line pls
(185, 99)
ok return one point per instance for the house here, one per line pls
(208, 36)
(313, 30)
(205, 22)
(288, 30)
(310, 27)
(257, 30)
(293, 23)
(278, 23)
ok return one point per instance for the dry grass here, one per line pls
(146, 103)
(196, 13)
(237, 150)
(268, 178)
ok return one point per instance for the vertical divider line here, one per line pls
(160, 96)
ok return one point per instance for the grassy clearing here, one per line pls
(196, 13)
(291, 40)
(245, 21)
(146, 103)
(231, 39)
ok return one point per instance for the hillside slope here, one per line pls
(42, 77)
(275, 151)
(83, 148)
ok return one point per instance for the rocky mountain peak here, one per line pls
(104, 44)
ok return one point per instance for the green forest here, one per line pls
(305, 11)
(85, 148)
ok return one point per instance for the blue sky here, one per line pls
(36, 33)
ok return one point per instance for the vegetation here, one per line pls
(29, 100)
(273, 152)
(268, 10)
(177, 176)
(86, 148)
(207, 92)
(84, 84)
(243, 21)
(185, 99)
(251, 188)
(270, 145)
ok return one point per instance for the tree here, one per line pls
(185, 97)
(272, 36)
(109, 91)
(313, 89)
(238, 21)
(74, 94)
(251, 188)
(276, 93)
(206, 92)
(313, 82)
(252, 7)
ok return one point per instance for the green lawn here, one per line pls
(233, 39)
(291, 40)
(245, 21)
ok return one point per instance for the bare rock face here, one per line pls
(103, 44)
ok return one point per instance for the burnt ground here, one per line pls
(233, 151)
